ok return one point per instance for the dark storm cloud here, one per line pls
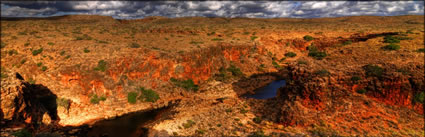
(261, 9)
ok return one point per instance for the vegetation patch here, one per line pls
(188, 124)
(314, 52)
(235, 71)
(355, 79)
(186, 84)
(101, 66)
(216, 39)
(419, 97)
(421, 50)
(290, 54)
(253, 38)
(22, 133)
(277, 66)
(373, 70)
(148, 95)
(86, 50)
(308, 38)
(361, 91)
(257, 120)
(391, 39)
(322, 72)
(95, 99)
(132, 97)
(348, 42)
(36, 52)
(391, 46)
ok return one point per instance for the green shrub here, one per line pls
(132, 97)
(36, 52)
(23, 61)
(348, 42)
(67, 57)
(51, 43)
(253, 38)
(391, 39)
(44, 68)
(319, 55)
(216, 39)
(86, 50)
(200, 131)
(361, 91)
(322, 72)
(101, 66)
(62, 53)
(314, 52)
(134, 45)
(188, 124)
(290, 54)
(39, 64)
(148, 95)
(373, 70)
(308, 38)
(355, 79)
(235, 71)
(186, 84)
(12, 51)
(277, 66)
(421, 50)
(95, 99)
(22, 133)
(196, 42)
(419, 97)
(391, 46)
(257, 120)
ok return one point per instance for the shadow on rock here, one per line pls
(31, 104)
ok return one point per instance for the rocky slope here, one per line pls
(92, 64)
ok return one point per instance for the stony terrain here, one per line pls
(341, 81)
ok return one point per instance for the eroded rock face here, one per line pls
(308, 96)
(25, 102)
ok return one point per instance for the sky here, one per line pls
(250, 9)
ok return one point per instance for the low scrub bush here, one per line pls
(391, 39)
(22, 133)
(391, 46)
(132, 97)
(308, 38)
(257, 120)
(419, 97)
(348, 42)
(148, 95)
(421, 50)
(355, 79)
(290, 54)
(86, 50)
(36, 52)
(373, 70)
(101, 66)
(186, 84)
(96, 99)
(314, 52)
(322, 72)
(235, 71)
(361, 91)
(253, 38)
(277, 66)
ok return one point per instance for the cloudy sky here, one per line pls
(251, 9)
